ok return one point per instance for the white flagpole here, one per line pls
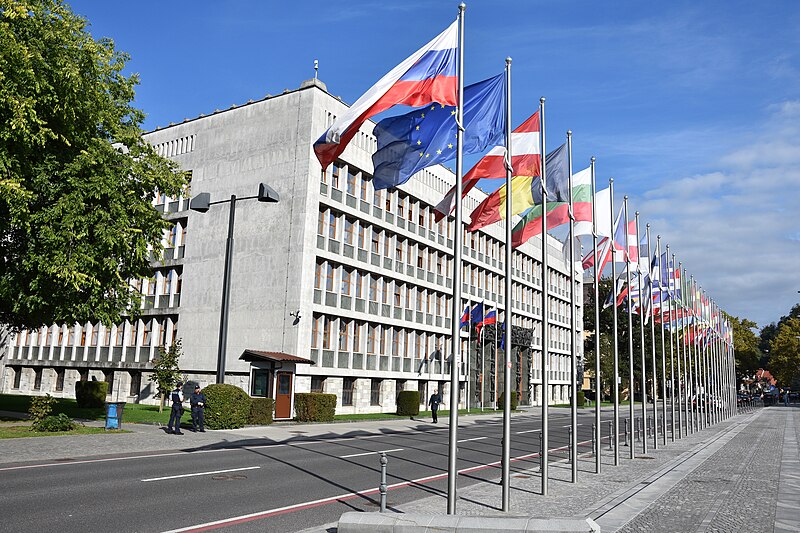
(681, 433)
(573, 338)
(663, 347)
(452, 460)
(653, 359)
(615, 436)
(506, 461)
(670, 292)
(598, 389)
(545, 455)
(631, 388)
(642, 313)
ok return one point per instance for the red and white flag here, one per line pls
(526, 161)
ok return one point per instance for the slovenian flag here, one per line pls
(427, 76)
(488, 320)
(525, 160)
(465, 317)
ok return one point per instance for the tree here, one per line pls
(166, 372)
(770, 331)
(746, 350)
(785, 353)
(76, 178)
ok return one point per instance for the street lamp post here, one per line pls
(201, 203)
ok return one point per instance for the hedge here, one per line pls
(91, 393)
(581, 399)
(314, 407)
(261, 411)
(501, 402)
(227, 406)
(408, 403)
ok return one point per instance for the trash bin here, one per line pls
(114, 414)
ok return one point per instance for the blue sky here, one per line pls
(692, 107)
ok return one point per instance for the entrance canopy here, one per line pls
(252, 356)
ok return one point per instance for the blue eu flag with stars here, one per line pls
(427, 136)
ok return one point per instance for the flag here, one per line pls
(557, 212)
(618, 292)
(476, 316)
(427, 76)
(465, 317)
(605, 245)
(489, 319)
(427, 136)
(503, 336)
(526, 191)
(525, 160)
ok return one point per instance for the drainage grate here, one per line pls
(228, 477)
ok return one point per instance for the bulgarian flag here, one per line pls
(557, 212)
(525, 160)
(526, 192)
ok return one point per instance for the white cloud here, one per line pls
(736, 229)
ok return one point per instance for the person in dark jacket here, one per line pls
(434, 402)
(176, 396)
(198, 402)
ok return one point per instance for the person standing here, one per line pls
(198, 403)
(434, 402)
(176, 396)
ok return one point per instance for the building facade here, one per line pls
(336, 288)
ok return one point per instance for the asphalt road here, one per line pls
(261, 485)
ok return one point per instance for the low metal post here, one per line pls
(637, 428)
(610, 434)
(382, 488)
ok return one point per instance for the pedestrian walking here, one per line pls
(198, 403)
(176, 396)
(786, 397)
(434, 402)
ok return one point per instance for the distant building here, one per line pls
(336, 288)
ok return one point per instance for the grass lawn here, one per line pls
(16, 432)
(134, 413)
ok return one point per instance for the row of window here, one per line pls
(58, 385)
(140, 332)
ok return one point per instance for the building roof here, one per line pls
(257, 355)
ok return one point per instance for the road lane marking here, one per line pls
(369, 453)
(202, 473)
(528, 431)
(476, 438)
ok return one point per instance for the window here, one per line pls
(387, 246)
(95, 332)
(136, 384)
(17, 377)
(375, 391)
(346, 277)
(375, 241)
(318, 277)
(344, 335)
(351, 181)
(348, 386)
(134, 335)
(371, 333)
(321, 223)
(398, 250)
(332, 225)
(421, 217)
(260, 383)
(59, 379)
(326, 334)
(362, 237)
(148, 330)
(167, 286)
(314, 331)
(401, 205)
(376, 199)
(317, 384)
(357, 336)
(383, 334)
(373, 288)
(359, 282)
(395, 342)
(120, 334)
(37, 379)
(363, 188)
(420, 255)
(397, 290)
(348, 232)
(329, 278)
(108, 377)
(335, 172)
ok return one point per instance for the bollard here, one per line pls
(594, 439)
(610, 434)
(626, 432)
(382, 487)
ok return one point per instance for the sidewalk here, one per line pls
(742, 474)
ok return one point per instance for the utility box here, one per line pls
(114, 412)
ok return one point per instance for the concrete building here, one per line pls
(336, 288)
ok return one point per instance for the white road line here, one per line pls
(202, 473)
(476, 438)
(528, 431)
(370, 453)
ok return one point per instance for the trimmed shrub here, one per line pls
(60, 422)
(227, 406)
(514, 400)
(41, 407)
(408, 403)
(581, 399)
(91, 393)
(314, 407)
(261, 411)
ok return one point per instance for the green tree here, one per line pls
(76, 178)
(746, 350)
(166, 371)
(770, 331)
(785, 353)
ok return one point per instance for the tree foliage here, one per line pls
(76, 178)
(746, 350)
(785, 353)
(770, 332)
(166, 370)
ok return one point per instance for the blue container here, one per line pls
(114, 414)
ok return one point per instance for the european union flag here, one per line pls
(427, 136)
